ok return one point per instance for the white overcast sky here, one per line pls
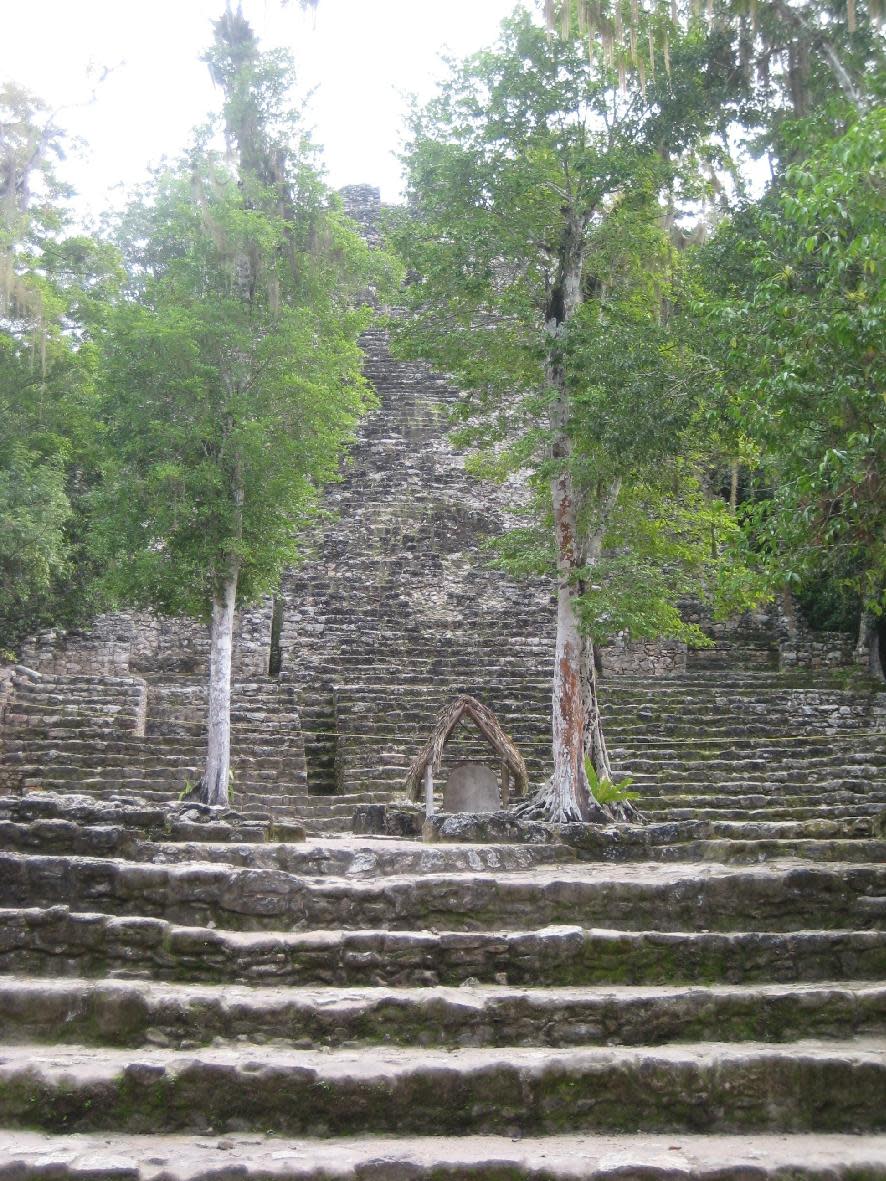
(361, 55)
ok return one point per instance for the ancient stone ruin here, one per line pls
(259, 995)
(470, 787)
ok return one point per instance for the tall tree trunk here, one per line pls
(214, 787)
(566, 797)
(569, 797)
(576, 722)
(733, 486)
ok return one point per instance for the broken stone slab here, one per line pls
(485, 828)
(30, 674)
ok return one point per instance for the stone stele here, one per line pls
(471, 787)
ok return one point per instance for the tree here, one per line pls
(792, 52)
(231, 372)
(52, 286)
(793, 314)
(540, 196)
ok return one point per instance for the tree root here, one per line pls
(547, 805)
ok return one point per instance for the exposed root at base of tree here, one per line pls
(547, 804)
(198, 793)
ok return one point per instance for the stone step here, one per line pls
(26, 1156)
(787, 790)
(774, 814)
(58, 941)
(790, 788)
(721, 691)
(776, 896)
(758, 851)
(412, 701)
(61, 765)
(136, 1013)
(182, 841)
(808, 1085)
(725, 842)
(351, 858)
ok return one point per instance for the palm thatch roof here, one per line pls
(485, 721)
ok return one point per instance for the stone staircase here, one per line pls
(396, 614)
(762, 747)
(107, 735)
(381, 1009)
(400, 612)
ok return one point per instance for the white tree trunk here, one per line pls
(214, 788)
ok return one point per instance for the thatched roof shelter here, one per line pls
(431, 754)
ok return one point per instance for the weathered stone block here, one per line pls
(486, 828)
(471, 787)
(386, 820)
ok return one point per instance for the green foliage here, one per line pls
(829, 602)
(524, 141)
(605, 791)
(230, 375)
(52, 287)
(794, 316)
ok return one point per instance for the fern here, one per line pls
(604, 790)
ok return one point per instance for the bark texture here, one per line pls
(216, 780)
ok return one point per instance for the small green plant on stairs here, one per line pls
(604, 790)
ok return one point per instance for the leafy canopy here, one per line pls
(231, 373)
(529, 144)
(794, 312)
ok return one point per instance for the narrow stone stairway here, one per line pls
(356, 1008)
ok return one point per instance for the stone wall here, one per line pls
(648, 658)
(810, 649)
(140, 642)
(7, 679)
